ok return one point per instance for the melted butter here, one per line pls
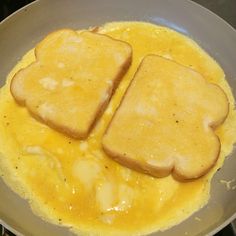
(74, 183)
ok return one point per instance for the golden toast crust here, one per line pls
(31, 98)
(130, 148)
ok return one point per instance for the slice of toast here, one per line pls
(72, 79)
(166, 121)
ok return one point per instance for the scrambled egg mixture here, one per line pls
(73, 183)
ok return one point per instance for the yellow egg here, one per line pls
(73, 183)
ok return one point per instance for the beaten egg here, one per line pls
(73, 183)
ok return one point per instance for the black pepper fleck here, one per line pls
(176, 121)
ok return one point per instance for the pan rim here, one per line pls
(17, 12)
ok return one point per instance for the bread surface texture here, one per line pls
(166, 120)
(72, 79)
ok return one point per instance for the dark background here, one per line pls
(9, 6)
(226, 9)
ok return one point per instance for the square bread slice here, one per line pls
(72, 79)
(165, 122)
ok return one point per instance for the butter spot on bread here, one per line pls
(67, 83)
(48, 83)
(46, 109)
(61, 65)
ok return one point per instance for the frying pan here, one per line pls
(22, 30)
